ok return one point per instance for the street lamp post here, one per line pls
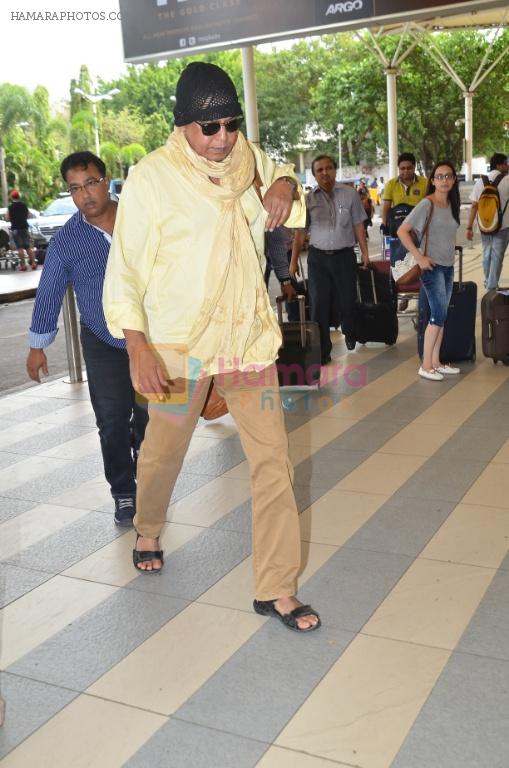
(340, 153)
(94, 99)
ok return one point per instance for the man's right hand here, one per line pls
(147, 374)
(36, 362)
(469, 233)
(294, 269)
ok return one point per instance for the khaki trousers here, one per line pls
(254, 402)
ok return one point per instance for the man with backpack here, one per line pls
(490, 197)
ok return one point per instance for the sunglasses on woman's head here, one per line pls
(209, 129)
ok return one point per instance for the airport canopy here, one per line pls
(154, 29)
(158, 29)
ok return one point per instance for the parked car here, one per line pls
(55, 215)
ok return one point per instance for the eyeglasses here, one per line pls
(443, 176)
(89, 185)
(209, 129)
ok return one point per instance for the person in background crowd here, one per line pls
(439, 213)
(368, 206)
(400, 195)
(17, 214)
(405, 189)
(335, 220)
(493, 246)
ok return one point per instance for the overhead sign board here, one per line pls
(163, 28)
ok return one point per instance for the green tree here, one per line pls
(122, 127)
(130, 154)
(77, 102)
(16, 105)
(352, 91)
(110, 155)
(82, 131)
(157, 130)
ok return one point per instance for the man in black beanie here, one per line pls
(184, 285)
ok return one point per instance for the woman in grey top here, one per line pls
(435, 221)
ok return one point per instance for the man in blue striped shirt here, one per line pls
(77, 255)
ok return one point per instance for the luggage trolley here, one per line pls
(9, 258)
(409, 292)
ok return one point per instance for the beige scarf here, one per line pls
(235, 324)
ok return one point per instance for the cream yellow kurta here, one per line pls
(162, 265)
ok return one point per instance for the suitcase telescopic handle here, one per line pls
(302, 316)
(303, 276)
(459, 251)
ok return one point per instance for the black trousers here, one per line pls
(332, 280)
(120, 415)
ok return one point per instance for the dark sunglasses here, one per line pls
(209, 129)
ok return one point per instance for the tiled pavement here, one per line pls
(404, 497)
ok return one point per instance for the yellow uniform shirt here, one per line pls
(396, 192)
(160, 256)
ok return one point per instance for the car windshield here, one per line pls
(61, 207)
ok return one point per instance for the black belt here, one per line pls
(330, 253)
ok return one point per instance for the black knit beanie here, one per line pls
(204, 93)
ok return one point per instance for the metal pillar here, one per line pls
(392, 119)
(3, 178)
(340, 151)
(469, 133)
(72, 342)
(96, 128)
(248, 78)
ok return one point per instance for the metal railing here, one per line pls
(72, 340)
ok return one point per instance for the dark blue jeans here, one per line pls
(121, 420)
(332, 279)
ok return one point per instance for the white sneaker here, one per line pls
(431, 375)
(448, 370)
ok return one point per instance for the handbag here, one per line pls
(406, 271)
(215, 405)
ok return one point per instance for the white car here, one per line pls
(55, 215)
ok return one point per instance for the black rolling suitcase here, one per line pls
(298, 364)
(459, 330)
(376, 310)
(495, 325)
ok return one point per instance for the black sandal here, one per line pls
(143, 557)
(268, 608)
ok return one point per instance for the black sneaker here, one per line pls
(125, 510)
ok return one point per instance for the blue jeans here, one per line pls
(437, 283)
(120, 419)
(493, 250)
